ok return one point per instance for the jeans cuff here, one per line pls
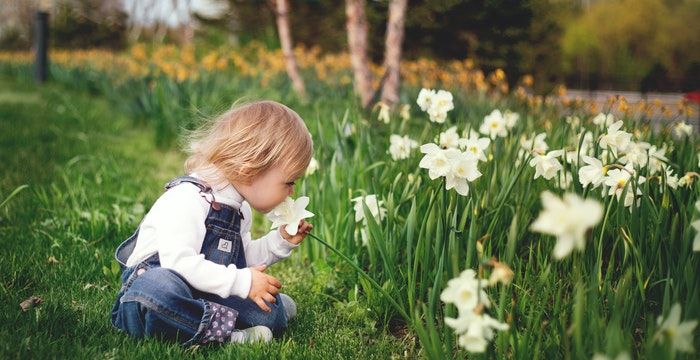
(222, 323)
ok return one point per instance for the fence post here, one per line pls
(41, 39)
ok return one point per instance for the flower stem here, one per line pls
(393, 302)
(599, 261)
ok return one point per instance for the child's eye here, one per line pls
(291, 183)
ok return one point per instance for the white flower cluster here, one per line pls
(456, 166)
(436, 104)
(497, 124)
(616, 168)
(474, 327)
(401, 146)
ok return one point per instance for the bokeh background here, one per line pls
(635, 45)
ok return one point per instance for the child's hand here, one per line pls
(304, 228)
(263, 287)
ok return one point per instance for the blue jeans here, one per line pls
(157, 302)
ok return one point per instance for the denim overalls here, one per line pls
(154, 301)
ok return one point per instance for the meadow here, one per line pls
(474, 220)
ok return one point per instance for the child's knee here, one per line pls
(153, 297)
(159, 283)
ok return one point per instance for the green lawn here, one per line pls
(91, 174)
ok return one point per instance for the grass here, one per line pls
(637, 262)
(91, 175)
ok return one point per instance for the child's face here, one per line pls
(268, 190)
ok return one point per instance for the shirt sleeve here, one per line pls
(178, 222)
(268, 249)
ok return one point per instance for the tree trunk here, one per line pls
(392, 51)
(357, 44)
(285, 35)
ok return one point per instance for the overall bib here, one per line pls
(154, 301)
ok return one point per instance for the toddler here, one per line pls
(191, 272)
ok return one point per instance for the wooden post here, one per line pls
(41, 40)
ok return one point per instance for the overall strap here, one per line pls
(204, 189)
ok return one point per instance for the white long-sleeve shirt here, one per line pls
(175, 229)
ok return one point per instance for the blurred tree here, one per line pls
(623, 42)
(357, 45)
(282, 11)
(87, 24)
(73, 23)
(392, 51)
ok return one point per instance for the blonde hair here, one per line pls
(248, 140)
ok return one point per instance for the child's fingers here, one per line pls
(262, 305)
(270, 298)
(272, 290)
(274, 282)
(305, 227)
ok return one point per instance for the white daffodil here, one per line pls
(535, 144)
(679, 334)
(603, 120)
(636, 154)
(449, 138)
(511, 119)
(593, 173)
(384, 112)
(405, 111)
(437, 115)
(435, 161)
(617, 179)
(425, 99)
(615, 139)
(568, 219)
(475, 146)
(313, 166)
(374, 205)
(657, 158)
(463, 171)
(494, 125)
(671, 178)
(436, 104)
(443, 100)
(696, 225)
(289, 213)
(465, 292)
(547, 165)
(476, 330)
(682, 129)
(400, 147)
(457, 167)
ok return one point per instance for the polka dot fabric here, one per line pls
(222, 324)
